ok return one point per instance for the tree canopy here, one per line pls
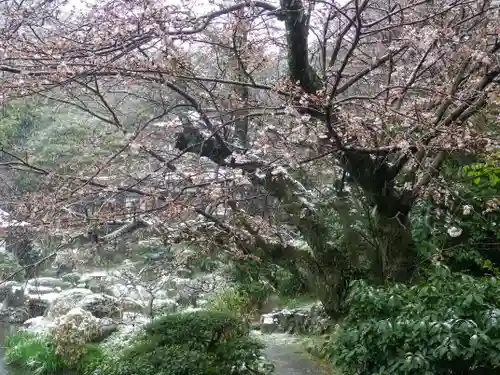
(250, 125)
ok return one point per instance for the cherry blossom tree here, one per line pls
(237, 101)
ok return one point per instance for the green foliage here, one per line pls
(232, 300)
(473, 208)
(246, 271)
(35, 352)
(259, 280)
(38, 353)
(300, 301)
(487, 172)
(17, 120)
(9, 265)
(251, 278)
(447, 325)
(70, 140)
(288, 284)
(197, 343)
(151, 251)
(53, 135)
(258, 292)
(96, 360)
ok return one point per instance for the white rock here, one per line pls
(35, 289)
(65, 301)
(136, 292)
(100, 305)
(39, 324)
(165, 305)
(47, 282)
(131, 318)
(48, 298)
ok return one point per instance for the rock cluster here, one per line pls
(310, 319)
(39, 302)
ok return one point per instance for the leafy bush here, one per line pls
(448, 325)
(71, 332)
(95, 359)
(231, 300)
(196, 343)
(460, 227)
(258, 292)
(250, 277)
(9, 265)
(259, 280)
(39, 353)
(35, 352)
(289, 284)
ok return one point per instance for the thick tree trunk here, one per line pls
(396, 255)
(329, 267)
(332, 287)
(327, 280)
(325, 270)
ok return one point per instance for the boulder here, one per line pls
(73, 278)
(38, 324)
(6, 288)
(102, 277)
(184, 272)
(65, 301)
(130, 305)
(268, 323)
(101, 305)
(187, 298)
(305, 320)
(96, 285)
(37, 289)
(38, 304)
(135, 292)
(51, 282)
(134, 319)
(13, 296)
(164, 306)
(13, 315)
(74, 320)
(164, 294)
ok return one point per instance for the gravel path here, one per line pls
(289, 356)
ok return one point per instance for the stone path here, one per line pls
(289, 356)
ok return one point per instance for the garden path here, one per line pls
(289, 356)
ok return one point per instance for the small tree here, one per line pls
(149, 279)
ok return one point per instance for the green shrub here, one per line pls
(258, 292)
(8, 266)
(35, 352)
(297, 302)
(95, 360)
(289, 284)
(472, 209)
(38, 353)
(196, 343)
(448, 325)
(232, 300)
